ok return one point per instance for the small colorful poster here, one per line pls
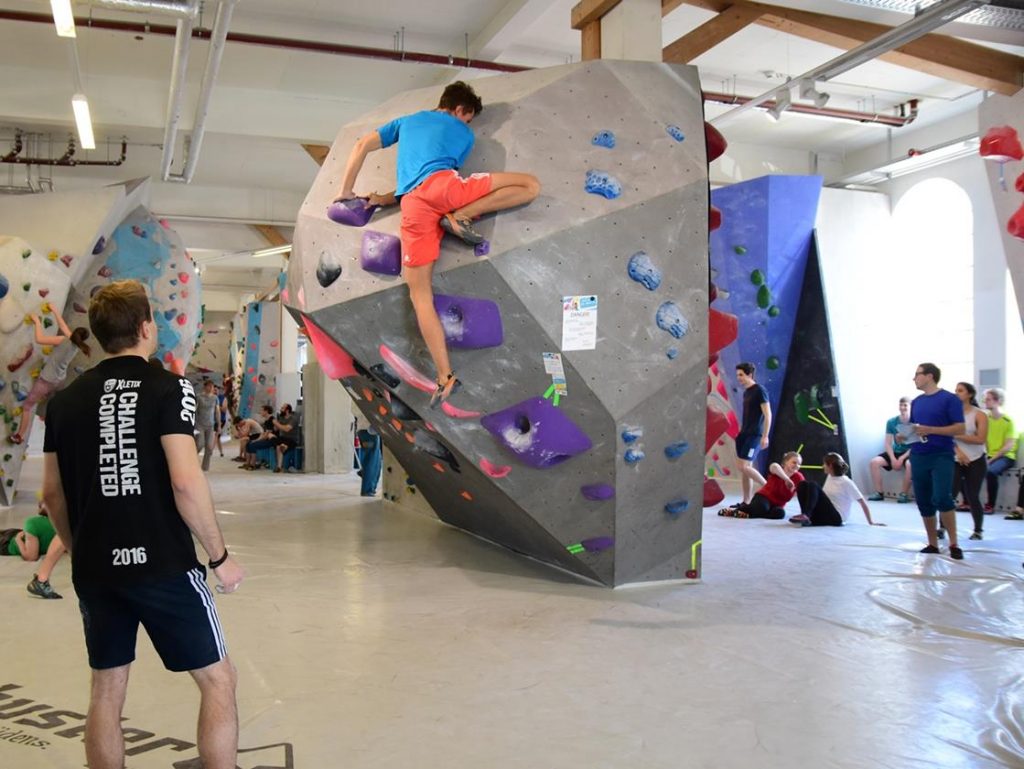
(553, 366)
(579, 323)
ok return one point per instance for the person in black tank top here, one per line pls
(124, 488)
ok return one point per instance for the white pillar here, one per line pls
(326, 422)
(632, 30)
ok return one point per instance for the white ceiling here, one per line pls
(269, 100)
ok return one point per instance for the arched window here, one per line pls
(932, 303)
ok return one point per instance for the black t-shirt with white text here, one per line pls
(105, 429)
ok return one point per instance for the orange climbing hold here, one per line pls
(466, 495)
(439, 467)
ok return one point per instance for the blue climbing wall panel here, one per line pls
(758, 257)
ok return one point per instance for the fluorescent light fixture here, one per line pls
(82, 120)
(273, 251)
(63, 18)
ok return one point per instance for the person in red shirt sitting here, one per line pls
(771, 498)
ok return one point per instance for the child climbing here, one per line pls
(55, 369)
(432, 145)
(770, 499)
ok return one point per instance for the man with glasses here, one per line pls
(936, 416)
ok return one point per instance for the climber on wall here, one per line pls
(432, 144)
(55, 370)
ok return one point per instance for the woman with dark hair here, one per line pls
(829, 505)
(55, 369)
(971, 462)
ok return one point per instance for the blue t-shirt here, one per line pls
(939, 409)
(428, 141)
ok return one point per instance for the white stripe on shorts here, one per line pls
(195, 576)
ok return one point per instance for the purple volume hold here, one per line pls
(353, 212)
(597, 492)
(537, 432)
(597, 544)
(381, 253)
(469, 324)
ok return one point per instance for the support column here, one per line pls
(327, 422)
(632, 30)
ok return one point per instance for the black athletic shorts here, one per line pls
(887, 465)
(178, 613)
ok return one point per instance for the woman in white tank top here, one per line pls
(970, 468)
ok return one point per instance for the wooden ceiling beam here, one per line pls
(587, 11)
(711, 33)
(937, 55)
(271, 234)
(318, 152)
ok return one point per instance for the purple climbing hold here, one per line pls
(483, 248)
(598, 492)
(537, 432)
(381, 253)
(354, 212)
(597, 544)
(469, 324)
(100, 245)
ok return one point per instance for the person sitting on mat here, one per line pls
(829, 505)
(432, 145)
(35, 540)
(770, 500)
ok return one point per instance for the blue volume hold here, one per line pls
(675, 132)
(632, 456)
(603, 139)
(642, 270)
(670, 318)
(677, 449)
(677, 507)
(632, 434)
(602, 183)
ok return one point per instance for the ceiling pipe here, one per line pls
(67, 159)
(176, 93)
(184, 9)
(931, 18)
(213, 60)
(893, 121)
(293, 44)
(15, 150)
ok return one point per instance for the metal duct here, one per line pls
(176, 94)
(218, 39)
(184, 9)
(67, 159)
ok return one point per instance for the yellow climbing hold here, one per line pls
(53, 256)
(47, 349)
(45, 307)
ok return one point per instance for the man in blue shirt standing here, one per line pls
(432, 145)
(936, 416)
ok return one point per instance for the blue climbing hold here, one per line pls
(670, 318)
(603, 139)
(603, 184)
(5, 286)
(675, 132)
(632, 434)
(677, 507)
(169, 314)
(677, 449)
(642, 270)
(672, 353)
(632, 456)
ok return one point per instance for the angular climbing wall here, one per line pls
(809, 418)
(262, 358)
(56, 250)
(579, 328)
(758, 257)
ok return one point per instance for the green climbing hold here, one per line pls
(757, 278)
(47, 322)
(741, 250)
(815, 398)
(26, 253)
(802, 407)
(7, 457)
(764, 297)
(773, 311)
(26, 286)
(711, 472)
(773, 362)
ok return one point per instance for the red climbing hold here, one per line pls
(716, 423)
(182, 320)
(334, 360)
(1016, 224)
(1001, 144)
(493, 470)
(713, 493)
(1019, 184)
(44, 292)
(714, 218)
(183, 277)
(723, 329)
(716, 143)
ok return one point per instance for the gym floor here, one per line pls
(370, 636)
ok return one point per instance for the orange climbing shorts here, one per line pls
(440, 193)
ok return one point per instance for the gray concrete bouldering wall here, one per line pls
(606, 480)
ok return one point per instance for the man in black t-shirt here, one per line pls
(126, 493)
(753, 434)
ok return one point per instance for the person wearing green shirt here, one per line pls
(1001, 444)
(34, 540)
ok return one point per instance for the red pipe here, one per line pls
(896, 121)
